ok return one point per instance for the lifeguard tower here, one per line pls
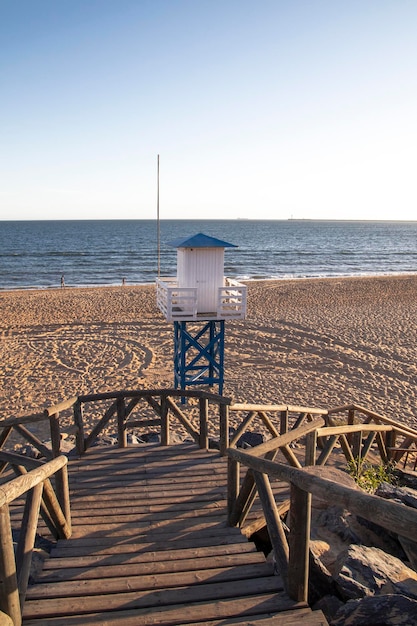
(199, 300)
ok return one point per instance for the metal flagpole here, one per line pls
(157, 220)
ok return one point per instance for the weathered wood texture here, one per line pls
(151, 545)
(15, 565)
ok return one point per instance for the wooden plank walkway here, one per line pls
(151, 545)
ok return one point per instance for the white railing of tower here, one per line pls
(175, 303)
(232, 300)
(180, 303)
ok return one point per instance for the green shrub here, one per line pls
(369, 476)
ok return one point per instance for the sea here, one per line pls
(36, 254)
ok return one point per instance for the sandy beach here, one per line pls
(317, 342)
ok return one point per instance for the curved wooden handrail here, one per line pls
(21, 484)
(293, 556)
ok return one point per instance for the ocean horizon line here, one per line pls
(209, 219)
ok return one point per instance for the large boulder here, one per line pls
(390, 610)
(364, 571)
(405, 495)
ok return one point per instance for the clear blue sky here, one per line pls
(258, 109)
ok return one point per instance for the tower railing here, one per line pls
(180, 303)
(232, 300)
(174, 302)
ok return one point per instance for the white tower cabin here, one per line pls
(199, 300)
(200, 290)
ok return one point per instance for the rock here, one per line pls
(406, 587)
(373, 534)
(332, 473)
(390, 610)
(175, 438)
(321, 582)
(150, 438)
(410, 548)
(329, 605)
(406, 495)
(27, 450)
(105, 440)
(132, 439)
(362, 571)
(249, 440)
(336, 521)
(408, 479)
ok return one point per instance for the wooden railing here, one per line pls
(40, 496)
(358, 441)
(121, 411)
(163, 409)
(158, 408)
(292, 554)
(398, 442)
(276, 419)
(49, 420)
(358, 431)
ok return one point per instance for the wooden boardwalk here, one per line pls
(151, 545)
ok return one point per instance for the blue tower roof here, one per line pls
(200, 241)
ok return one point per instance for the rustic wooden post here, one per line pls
(299, 540)
(203, 439)
(311, 444)
(390, 437)
(55, 433)
(27, 539)
(275, 528)
(283, 427)
(368, 444)
(224, 428)
(3, 438)
(59, 517)
(164, 421)
(327, 449)
(121, 427)
(5, 435)
(350, 421)
(9, 594)
(346, 448)
(61, 477)
(244, 500)
(233, 480)
(357, 445)
(78, 421)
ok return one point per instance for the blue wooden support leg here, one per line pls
(199, 354)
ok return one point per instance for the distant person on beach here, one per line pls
(123, 281)
(62, 281)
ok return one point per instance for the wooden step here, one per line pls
(122, 566)
(266, 605)
(151, 546)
